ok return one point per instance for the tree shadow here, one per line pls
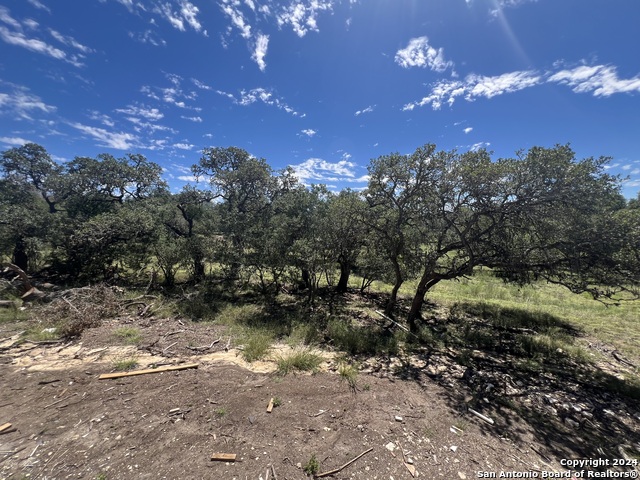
(526, 372)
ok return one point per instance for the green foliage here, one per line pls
(349, 374)
(312, 467)
(129, 335)
(125, 364)
(362, 340)
(256, 345)
(301, 360)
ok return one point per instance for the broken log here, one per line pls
(6, 428)
(168, 368)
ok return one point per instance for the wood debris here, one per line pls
(336, 470)
(483, 417)
(270, 406)
(6, 428)
(169, 368)
(224, 457)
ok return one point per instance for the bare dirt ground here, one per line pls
(70, 424)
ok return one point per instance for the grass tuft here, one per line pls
(300, 360)
(129, 335)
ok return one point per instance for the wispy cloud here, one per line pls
(183, 146)
(14, 141)
(39, 5)
(418, 53)
(110, 139)
(13, 34)
(599, 80)
(249, 97)
(261, 45)
(20, 103)
(200, 85)
(468, 130)
(151, 114)
(187, 13)
(192, 119)
(173, 95)
(318, 170)
(474, 86)
(70, 41)
(303, 16)
(148, 36)
(369, 109)
(231, 9)
(308, 132)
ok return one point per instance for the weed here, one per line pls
(360, 340)
(366, 387)
(125, 364)
(349, 373)
(257, 345)
(312, 467)
(277, 401)
(220, 411)
(129, 335)
(101, 476)
(301, 360)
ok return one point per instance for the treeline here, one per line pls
(432, 215)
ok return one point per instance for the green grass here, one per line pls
(349, 374)
(367, 340)
(129, 335)
(257, 345)
(312, 467)
(125, 364)
(301, 360)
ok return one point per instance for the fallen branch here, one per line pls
(483, 417)
(331, 472)
(273, 470)
(11, 454)
(105, 376)
(205, 347)
(396, 323)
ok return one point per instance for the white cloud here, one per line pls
(15, 36)
(192, 119)
(477, 146)
(262, 43)
(183, 146)
(151, 114)
(104, 119)
(187, 13)
(319, 170)
(468, 130)
(200, 84)
(229, 7)
(369, 109)
(39, 5)
(150, 37)
(506, 3)
(601, 80)
(418, 53)
(309, 132)
(116, 140)
(70, 41)
(474, 86)
(14, 141)
(20, 103)
(260, 95)
(188, 178)
(303, 16)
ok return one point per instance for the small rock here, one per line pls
(299, 465)
(398, 418)
(453, 448)
(410, 461)
(462, 475)
(571, 423)
(390, 446)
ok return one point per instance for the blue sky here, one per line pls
(321, 85)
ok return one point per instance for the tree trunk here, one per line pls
(391, 305)
(426, 283)
(345, 271)
(306, 278)
(20, 257)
